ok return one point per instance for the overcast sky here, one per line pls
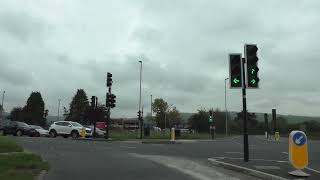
(57, 47)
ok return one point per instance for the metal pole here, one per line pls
(151, 107)
(58, 109)
(274, 118)
(108, 117)
(225, 104)
(140, 100)
(244, 103)
(266, 123)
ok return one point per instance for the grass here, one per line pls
(126, 135)
(8, 145)
(21, 166)
(18, 166)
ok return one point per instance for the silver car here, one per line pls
(40, 130)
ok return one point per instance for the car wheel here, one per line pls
(19, 133)
(38, 135)
(74, 134)
(65, 136)
(2, 133)
(53, 134)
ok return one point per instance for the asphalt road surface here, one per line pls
(75, 159)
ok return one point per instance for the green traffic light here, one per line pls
(253, 81)
(252, 71)
(236, 81)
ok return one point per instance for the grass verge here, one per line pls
(21, 166)
(18, 165)
(126, 135)
(8, 145)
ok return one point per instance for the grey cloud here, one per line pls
(184, 46)
(21, 26)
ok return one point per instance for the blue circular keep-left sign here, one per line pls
(299, 139)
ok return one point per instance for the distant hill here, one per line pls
(292, 119)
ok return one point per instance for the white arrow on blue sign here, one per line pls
(299, 139)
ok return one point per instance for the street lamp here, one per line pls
(151, 107)
(225, 103)
(140, 122)
(58, 109)
(165, 116)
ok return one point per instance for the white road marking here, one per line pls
(233, 152)
(285, 153)
(313, 170)
(267, 160)
(128, 147)
(189, 167)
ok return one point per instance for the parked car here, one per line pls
(67, 128)
(99, 132)
(17, 128)
(40, 130)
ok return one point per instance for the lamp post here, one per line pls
(58, 109)
(140, 120)
(225, 103)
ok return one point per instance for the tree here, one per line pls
(65, 112)
(17, 114)
(79, 108)
(34, 110)
(160, 107)
(173, 117)
(98, 114)
(200, 121)
(251, 121)
(219, 120)
(1, 111)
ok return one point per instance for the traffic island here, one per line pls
(265, 169)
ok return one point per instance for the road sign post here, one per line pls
(298, 152)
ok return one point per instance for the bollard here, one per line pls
(173, 134)
(298, 153)
(83, 133)
(277, 136)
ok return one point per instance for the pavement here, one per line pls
(72, 159)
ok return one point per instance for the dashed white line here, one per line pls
(128, 147)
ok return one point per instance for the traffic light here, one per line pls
(93, 102)
(235, 71)
(210, 116)
(109, 79)
(111, 100)
(252, 65)
(139, 114)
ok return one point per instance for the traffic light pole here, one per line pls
(108, 118)
(244, 104)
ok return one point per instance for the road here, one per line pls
(74, 159)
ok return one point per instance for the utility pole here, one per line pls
(58, 109)
(140, 119)
(244, 104)
(274, 119)
(225, 103)
(151, 107)
(266, 123)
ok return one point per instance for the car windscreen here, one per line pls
(22, 124)
(76, 124)
(36, 127)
